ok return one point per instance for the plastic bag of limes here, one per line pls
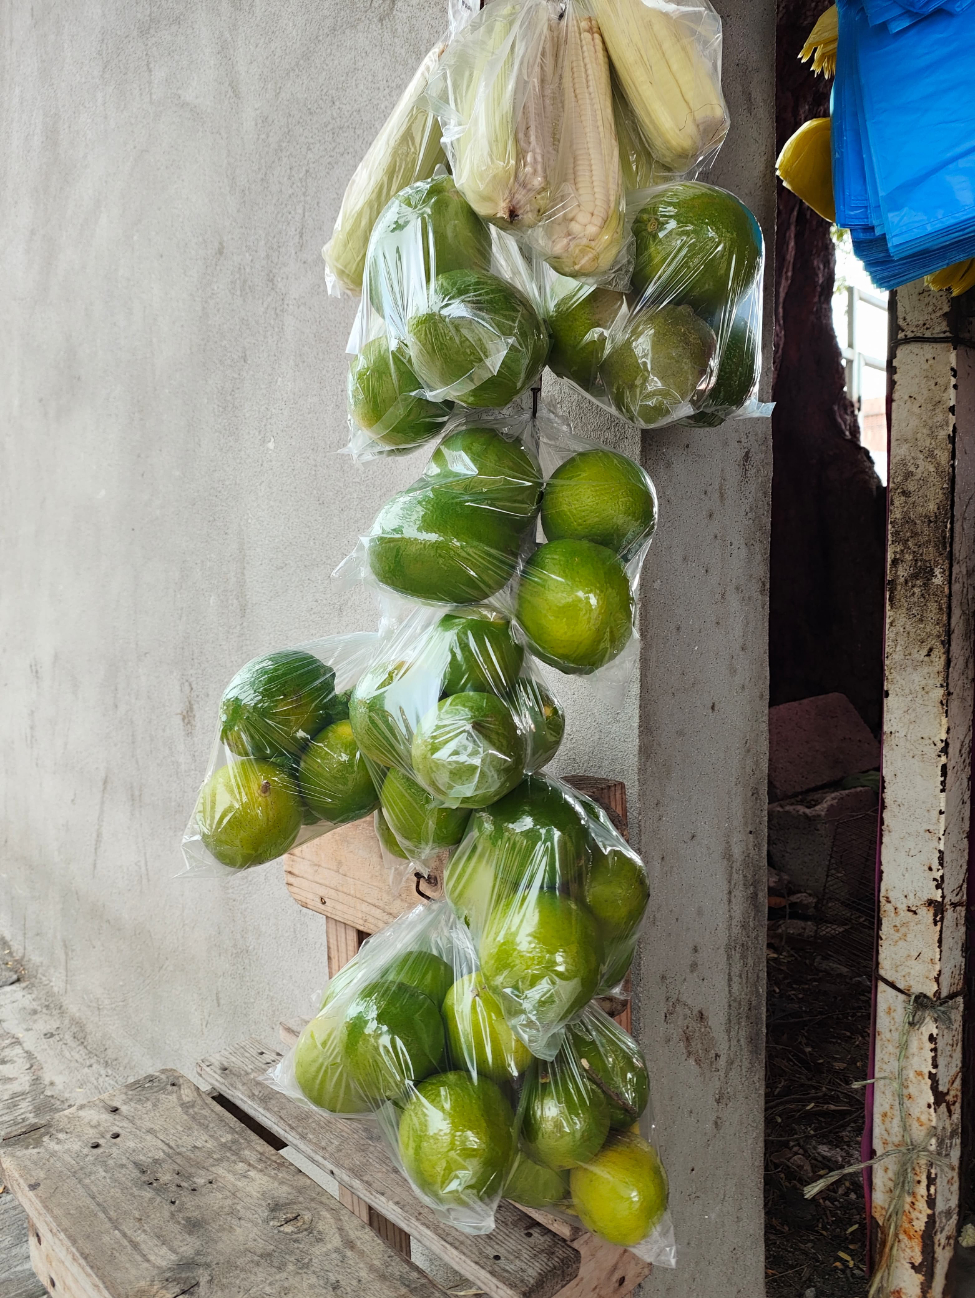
(448, 318)
(285, 766)
(553, 897)
(450, 716)
(684, 343)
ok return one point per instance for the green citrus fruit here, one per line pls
(580, 322)
(600, 496)
(491, 471)
(275, 704)
(532, 1185)
(320, 1069)
(696, 244)
(429, 543)
(422, 970)
(376, 718)
(393, 1035)
(471, 883)
(335, 784)
(565, 1119)
(540, 955)
(543, 715)
(658, 364)
(248, 812)
(478, 1038)
(479, 341)
(420, 823)
(456, 1139)
(469, 750)
(614, 1064)
(481, 652)
(536, 836)
(575, 606)
(737, 372)
(621, 1193)
(387, 838)
(340, 982)
(384, 402)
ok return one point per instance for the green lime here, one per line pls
(275, 704)
(340, 982)
(320, 1069)
(469, 750)
(532, 1185)
(575, 606)
(540, 955)
(696, 244)
(537, 836)
(737, 372)
(657, 364)
(580, 322)
(430, 544)
(479, 341)
(422, 970)
(420, 824)
(478, 1038)
(614, 1064)
(248, 813)
(600, 496)
(333, 778)
(471, 883)
(491, 471)
(542, 716)
(617, 889)
(481, 652)
(565, 1119)
(393, 1035)
(377, 722)
(384, 402)
(621, 1193)
(456, 1139)
(387, 838)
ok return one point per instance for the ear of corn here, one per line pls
(584, 231)
(959, 277)
(821, 43)
(406, 149)
(640, 169)
(805, 166)
(669, 74)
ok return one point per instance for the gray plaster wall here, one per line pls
(171, 504)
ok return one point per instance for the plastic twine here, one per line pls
(910, 1153)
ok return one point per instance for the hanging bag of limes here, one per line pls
(285, 766)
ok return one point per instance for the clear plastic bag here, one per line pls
(581, 1155)
(525, 100)
(447, 318)
(553, 897)
(449, 716)
(408, 1034)
(407, 149)
(285, 767)
(684, 344)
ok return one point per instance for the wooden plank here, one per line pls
(154, 1190)
(927, 747)
(519, 1259)
(17, 1277)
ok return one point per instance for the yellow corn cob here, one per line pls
(585, 231)
(640, 169)
(821, 43)
(406, 149)
(959, 277)
(805, 166)
(673, 86)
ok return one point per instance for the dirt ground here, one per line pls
(818, 1034)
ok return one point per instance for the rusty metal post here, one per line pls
(927, 777)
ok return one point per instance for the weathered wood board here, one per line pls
(519, 1259)
(154, 1190)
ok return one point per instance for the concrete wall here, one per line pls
(171, 505)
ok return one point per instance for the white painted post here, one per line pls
(927, 777)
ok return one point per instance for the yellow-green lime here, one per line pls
(532, 1185)
(387, 838)
(376, 720)
(469, 749)
(427, 972)
(275, 704)
(657, 364)
(420, 823)
(393, 1035)
(580, 322)
(471, 883)
(248, 812)
(481, 652)
(320, 1068)
(490, 470)
(543, 718)
(565, 1120)
(621, 1193)
(575, 605)
(737, 372)
(612, 1062)
(478, 1037)
(456, 1139)
(600, 496)
(335, 783)
(537, 836)
(386, 401)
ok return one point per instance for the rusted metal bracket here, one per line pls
(927, 744)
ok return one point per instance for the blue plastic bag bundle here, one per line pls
(904, 134)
